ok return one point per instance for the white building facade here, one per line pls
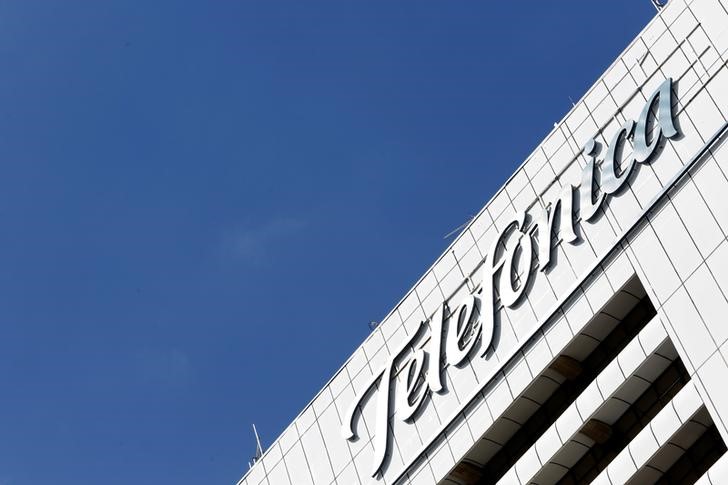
(577, 330)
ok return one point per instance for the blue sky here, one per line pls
(202, 204)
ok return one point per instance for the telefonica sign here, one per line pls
(511, 253)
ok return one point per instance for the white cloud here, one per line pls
(167, 367)
(253, 245)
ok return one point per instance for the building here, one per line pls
(576, 330)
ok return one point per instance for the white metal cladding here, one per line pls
(677, 247)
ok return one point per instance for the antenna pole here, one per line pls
(259, 449)
(461, 226)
